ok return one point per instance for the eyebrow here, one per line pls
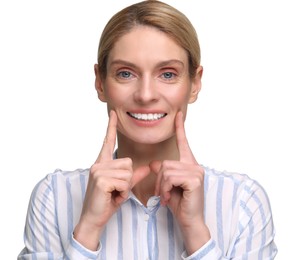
(158, 65)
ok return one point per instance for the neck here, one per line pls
(142, 154)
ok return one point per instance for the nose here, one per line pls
(146, 91)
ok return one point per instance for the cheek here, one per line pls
(178, 96)
(115, 97)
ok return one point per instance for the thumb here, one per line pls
(139, 174)
(155, 167)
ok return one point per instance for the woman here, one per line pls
(148, 198)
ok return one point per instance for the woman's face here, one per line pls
(147, 83)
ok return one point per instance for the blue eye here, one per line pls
(168, 75)
(124, 74)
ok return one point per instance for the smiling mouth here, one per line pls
(147, 117)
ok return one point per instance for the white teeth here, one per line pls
(146, 117)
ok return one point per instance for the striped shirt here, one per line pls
(237, 213)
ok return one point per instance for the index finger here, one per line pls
(182, 142)
(107, 150)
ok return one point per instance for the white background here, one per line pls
(244, 119)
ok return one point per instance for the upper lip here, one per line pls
(141, 111)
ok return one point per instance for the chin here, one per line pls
(151, 140)
(146, 136)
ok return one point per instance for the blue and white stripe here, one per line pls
(237, 212)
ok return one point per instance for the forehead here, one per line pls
(147, 45)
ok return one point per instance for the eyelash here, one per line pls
(121, 74)
(125, 74)
(172, 75)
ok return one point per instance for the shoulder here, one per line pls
(240, 197)
(62, 175)
(59, 180)
(241, 187)
(230, 178)
(234, 177)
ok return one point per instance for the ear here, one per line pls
(195, 85)
(99, 84)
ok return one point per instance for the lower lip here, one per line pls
(146, 123)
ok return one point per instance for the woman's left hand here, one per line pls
(180, 185)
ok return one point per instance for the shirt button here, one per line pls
(154, 203)
(146, 217)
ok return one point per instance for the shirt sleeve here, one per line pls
(41, 236)
(254, 232)
(207, 251)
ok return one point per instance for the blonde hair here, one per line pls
(158, 15)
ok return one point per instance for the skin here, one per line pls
(147, 72)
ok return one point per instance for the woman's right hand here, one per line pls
(109, 184)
